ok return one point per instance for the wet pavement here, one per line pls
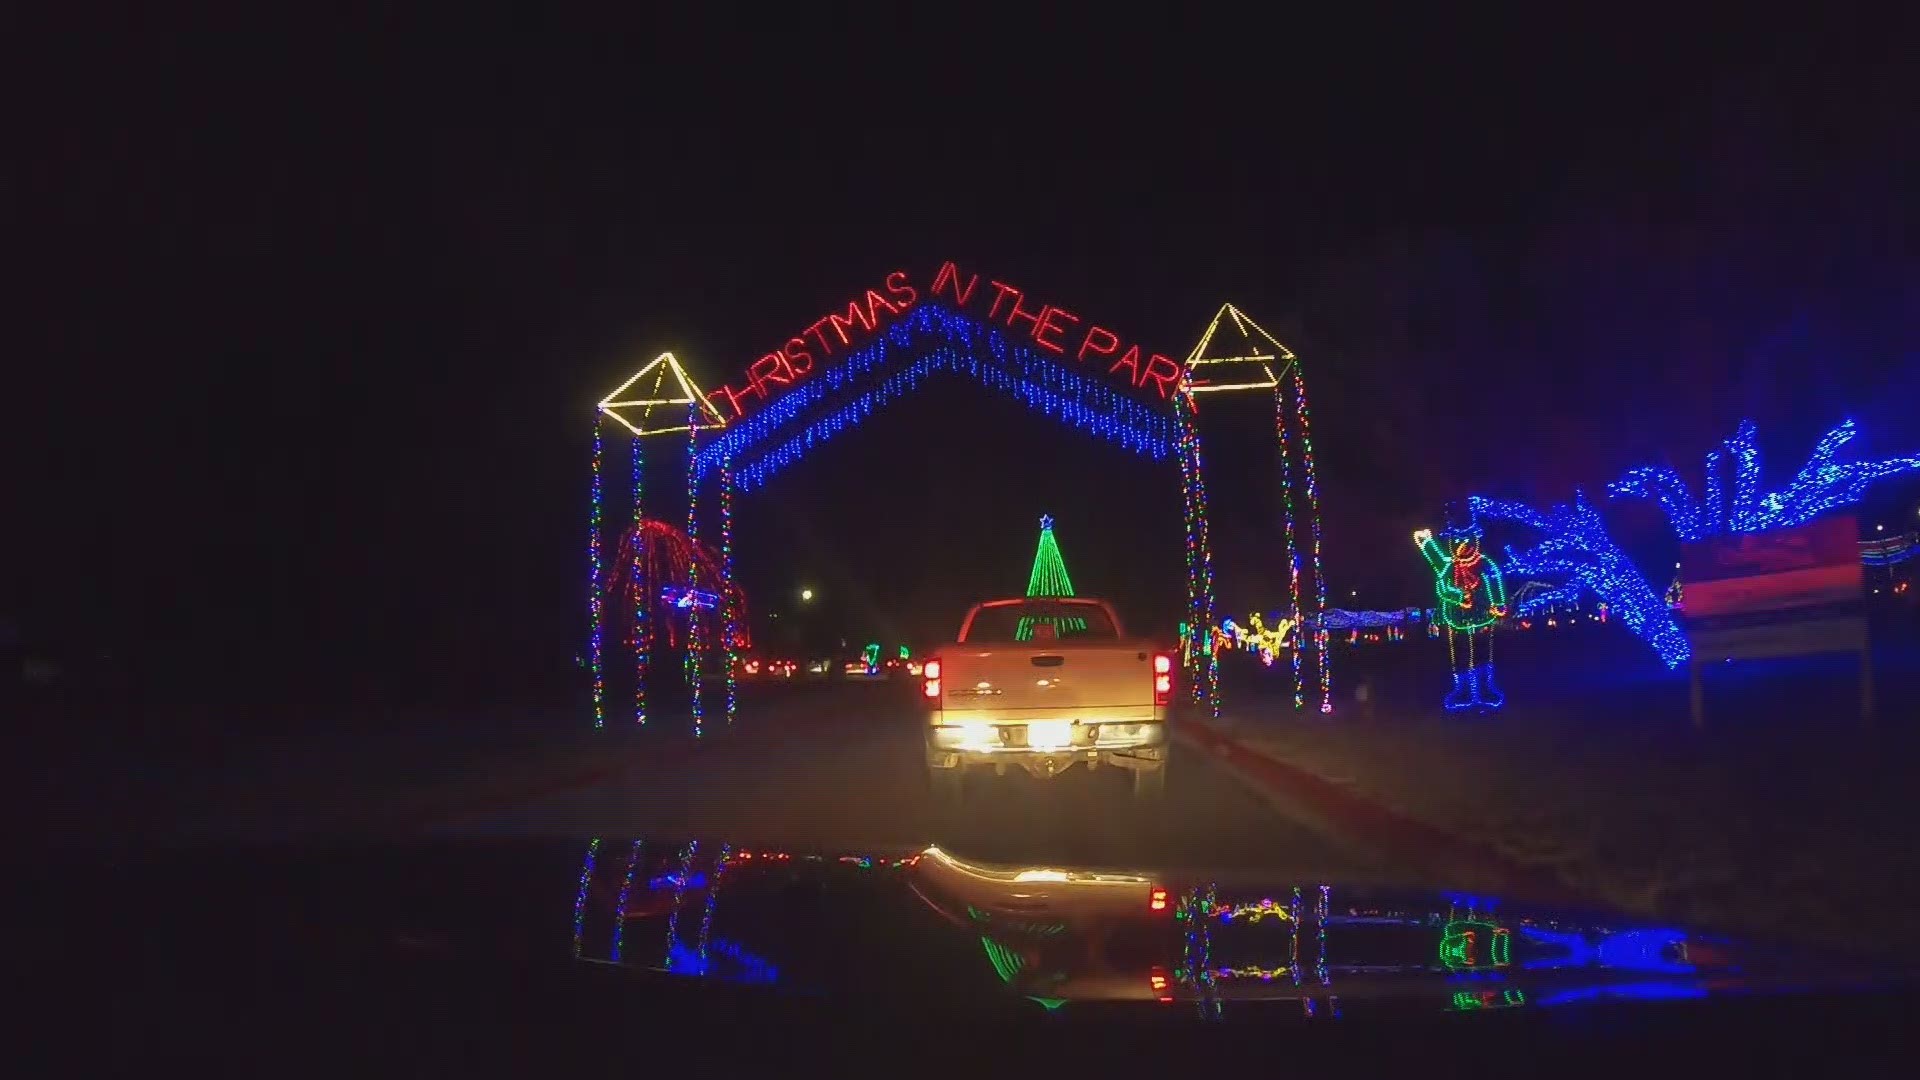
(839, 769)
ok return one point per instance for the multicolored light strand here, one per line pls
(642, 633)
(1293, 945)
(696, 644)
(1192, 630)
(1320, 909)
(580, 894)
(1198, 552)
(729, 616)
(713, 897)
(1196, 954)
(1320, 637)
(679, 892)
(1293, 554)
(596, 601)
(626, 890)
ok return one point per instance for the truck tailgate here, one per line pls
(1055, 678)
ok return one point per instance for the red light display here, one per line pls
(1049, 326)
(830, 335)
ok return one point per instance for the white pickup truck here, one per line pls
(1040, 684)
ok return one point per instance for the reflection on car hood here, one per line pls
(906, 926)
(1057, 935)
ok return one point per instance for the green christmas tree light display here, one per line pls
(1048, 579)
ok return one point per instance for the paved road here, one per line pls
(839, 769)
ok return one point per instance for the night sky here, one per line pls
(309, 319)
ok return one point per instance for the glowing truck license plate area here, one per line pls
(1049, 734)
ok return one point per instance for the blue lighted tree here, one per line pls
(1822, 484)
(1577, 551)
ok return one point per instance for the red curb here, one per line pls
(1425, 847)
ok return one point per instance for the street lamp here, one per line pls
(806, 594)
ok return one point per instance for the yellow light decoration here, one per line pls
(647, 396)
(1247, 355)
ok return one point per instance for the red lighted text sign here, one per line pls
(1048, 326)
(1753, 573)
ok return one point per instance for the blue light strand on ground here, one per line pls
(596, 634)
(1822, 484)
(1343, 619)
(1577, 548)
(947, 341)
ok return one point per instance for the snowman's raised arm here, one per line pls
(1429, 547)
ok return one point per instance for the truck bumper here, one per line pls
(1128, 745)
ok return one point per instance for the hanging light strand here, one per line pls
(626, 890)
(642, 634)
(696, 643)
(730, 614)
(1199, 554)
(1320, 636)
(580, 894)
(1197, 632)
(1287, 526)
(680, 879)
(596, 609)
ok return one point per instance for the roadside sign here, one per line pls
(1790, 592)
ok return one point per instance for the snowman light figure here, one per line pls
(1472, 599)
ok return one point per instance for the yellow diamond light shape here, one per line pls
(633, 404)
(1236, 354)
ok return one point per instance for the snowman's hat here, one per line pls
(1461, 524)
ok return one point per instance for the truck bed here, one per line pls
(1090, 681)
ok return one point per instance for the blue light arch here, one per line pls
(934, 340)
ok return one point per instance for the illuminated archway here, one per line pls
(889, 343)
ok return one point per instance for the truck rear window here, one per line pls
(1041, 621)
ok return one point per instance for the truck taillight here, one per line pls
(1157, 899)
(1162, 678)
(930, 679)
(1161, 986)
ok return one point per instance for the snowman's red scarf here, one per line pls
(1466, 575)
